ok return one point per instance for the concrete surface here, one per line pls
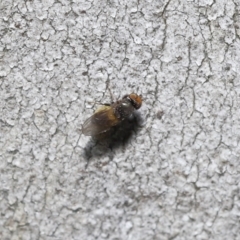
(177, 177)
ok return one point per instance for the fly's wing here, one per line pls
(101, 121)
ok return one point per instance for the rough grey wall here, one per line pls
(177, 177)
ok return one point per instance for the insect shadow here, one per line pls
(117, 137)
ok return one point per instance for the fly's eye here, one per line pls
(136, 105)
(136, 100)
(133, 102)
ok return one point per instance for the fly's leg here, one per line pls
(111, 95)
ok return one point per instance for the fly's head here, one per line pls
(127, 105)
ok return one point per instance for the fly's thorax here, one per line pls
(123, 109)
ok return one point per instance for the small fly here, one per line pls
(110, 115)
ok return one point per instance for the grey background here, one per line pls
(178, 177)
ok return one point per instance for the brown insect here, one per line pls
(110, 115)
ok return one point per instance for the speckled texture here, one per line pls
(177, 177)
